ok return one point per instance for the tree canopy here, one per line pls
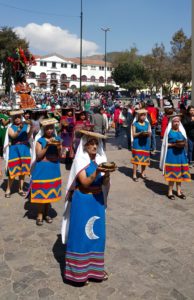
(155, 69)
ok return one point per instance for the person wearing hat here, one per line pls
(46, 175)
(4, 121)
(168, 110)
(141, 132)
(173, 159)
(83, 226)
(67, 123)
(17, 151)
(153, 113)
(81, 122)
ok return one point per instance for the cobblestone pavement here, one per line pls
(150, 248)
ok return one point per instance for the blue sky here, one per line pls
(133, 22)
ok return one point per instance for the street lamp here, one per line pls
(81, 37)
(105, 60)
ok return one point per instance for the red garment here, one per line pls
(153, 112)
(116, 115)
(164, 125)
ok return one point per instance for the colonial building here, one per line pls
(54, 72)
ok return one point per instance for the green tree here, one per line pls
(157, 67)
(9, 41)
(181, 58)
(131, 76)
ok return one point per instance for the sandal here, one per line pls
(48, 219)
(171, 197)
(135, 179)
(7, 195)
(39, 222)
(105, 276)
(181, 196)
(22, 193)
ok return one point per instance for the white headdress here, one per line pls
(81, 161)
(164, 147)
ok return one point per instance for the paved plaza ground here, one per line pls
(149, 249)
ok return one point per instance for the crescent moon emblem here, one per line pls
(89, 228)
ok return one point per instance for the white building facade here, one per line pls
(56, 73)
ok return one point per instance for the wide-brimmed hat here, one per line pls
(46, 122)
(174, 115)
(141, 111)
(16, 112)
(93, 134)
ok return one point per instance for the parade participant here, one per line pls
(17, 151)
(188, 123)
(123, 134)
(141, 132)
(168, 110)
(4, 121)
(46, 176)
(81, 122)
(84, 208)
(116, 119)
(67, 132)
(27, 115)
(173, 160)
(153, 113)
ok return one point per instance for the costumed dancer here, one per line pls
(45, 185)
(4, 121)
(83, 227)
(141, 132)
(173, 159)
(81, 122)
(67, 132)
(17, 151)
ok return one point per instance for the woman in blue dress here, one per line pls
(173, 159)
(141, 132)
(46, 176)
(17, 149)
(86, 190)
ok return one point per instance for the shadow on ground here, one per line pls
(59, 254)
(31, 210)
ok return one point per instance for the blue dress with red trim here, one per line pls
(141, 145)
(19, 153)
(46, 176)
(86, 237)
(176, 164)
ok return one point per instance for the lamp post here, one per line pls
(105, 58)
(81, 37)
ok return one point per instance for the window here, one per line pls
(53, 64)
(73, 77)
(84, 78)
(32, 85)
(53, 76)
(101, 79)
(32, 75)
(64, 65)
(63, 77)
(101, 68)
(109, 80)
(42, 76)
(85, 67)
(73, 66)
(109, 69)
(93, 67)
(93, 79)
(43, 63)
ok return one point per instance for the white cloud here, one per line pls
(49, 38)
